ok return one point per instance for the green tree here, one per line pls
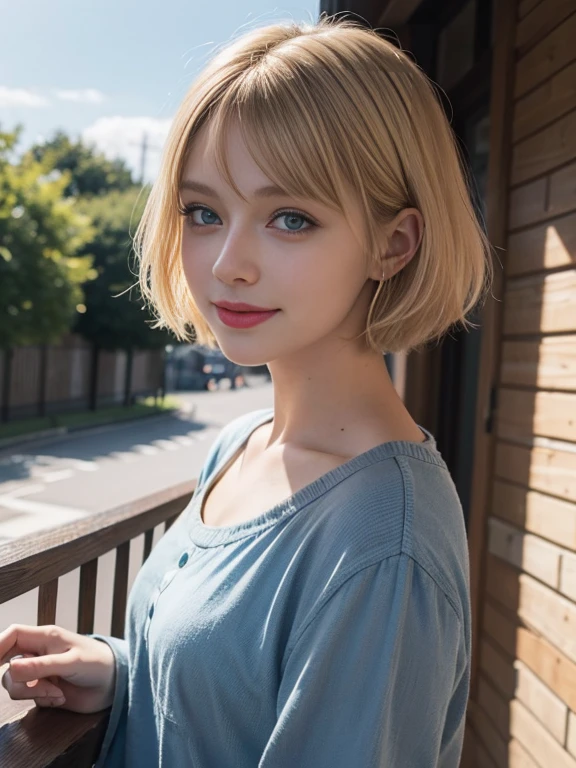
(91, 173)
(44, 259)
(115, 316)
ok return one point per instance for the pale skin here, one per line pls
(60, 668)
(332, 400)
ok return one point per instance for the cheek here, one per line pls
(195, 265)
(188, 269)
(322, 305)
(320, 282)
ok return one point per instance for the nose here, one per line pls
(238, 259)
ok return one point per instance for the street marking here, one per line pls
(37, 516)
(124, 456)
(148, 450)
(37, 506)
(53, 477)
(183, 440)
(167, 445)
(24, 490)
(84, 466)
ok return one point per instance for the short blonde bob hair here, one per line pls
(325, 109)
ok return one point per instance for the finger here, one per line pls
(9, 668)
(11, 641)
(4, 676)
(35, 667)
(38, 689)
(47, 702)
(21, 638)
(22, 656)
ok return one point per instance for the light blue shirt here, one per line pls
(333, 631)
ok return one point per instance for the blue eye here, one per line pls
(294, 215)
(208, 215)
(189, 210)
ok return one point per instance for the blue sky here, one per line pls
(110, 71)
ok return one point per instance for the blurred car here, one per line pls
(199, 367)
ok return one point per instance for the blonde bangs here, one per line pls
(327, 111)
(285, 137)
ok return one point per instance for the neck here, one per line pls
(337, 401)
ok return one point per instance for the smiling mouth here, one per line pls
(244, 318)
(245, 311)
(249, 311)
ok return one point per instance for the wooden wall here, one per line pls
(522, 710)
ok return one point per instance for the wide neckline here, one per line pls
(203, 535)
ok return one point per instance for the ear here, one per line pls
(402, 236)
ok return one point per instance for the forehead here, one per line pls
(202, 154)
(201, 166)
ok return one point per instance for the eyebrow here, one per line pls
(196, 186)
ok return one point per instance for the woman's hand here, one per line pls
(60, 668)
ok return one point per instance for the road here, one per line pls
(56, 481)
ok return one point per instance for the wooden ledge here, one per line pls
(38, 737)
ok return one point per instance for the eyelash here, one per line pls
(188, 210)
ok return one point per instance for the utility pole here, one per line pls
(143, 157)
(144, 147)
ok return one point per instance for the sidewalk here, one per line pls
(61, 424)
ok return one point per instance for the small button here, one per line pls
(183, 560)
(151, 611)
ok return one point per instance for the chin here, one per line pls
(243, 354)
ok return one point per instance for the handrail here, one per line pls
(32, 560)
(36, 737)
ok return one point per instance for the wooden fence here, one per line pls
(74, 375)
(37, 737)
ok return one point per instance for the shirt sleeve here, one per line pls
(112, 750)
(377, 677)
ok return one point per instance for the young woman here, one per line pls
(310, 607)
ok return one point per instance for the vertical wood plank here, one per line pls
(87, 597)
(47, 598)
(148, 538)
(120, 589)
(170, 521)
(497, 193)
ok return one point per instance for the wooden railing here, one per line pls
(37, 737)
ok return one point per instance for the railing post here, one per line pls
(87, 597)
(59, 738)
(148, 537)
(47, 599)
(120, 589)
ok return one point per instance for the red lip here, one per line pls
(243, 319)
(240, 306)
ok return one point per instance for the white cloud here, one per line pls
(20, 97)
(85, 96)
(123, 137)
